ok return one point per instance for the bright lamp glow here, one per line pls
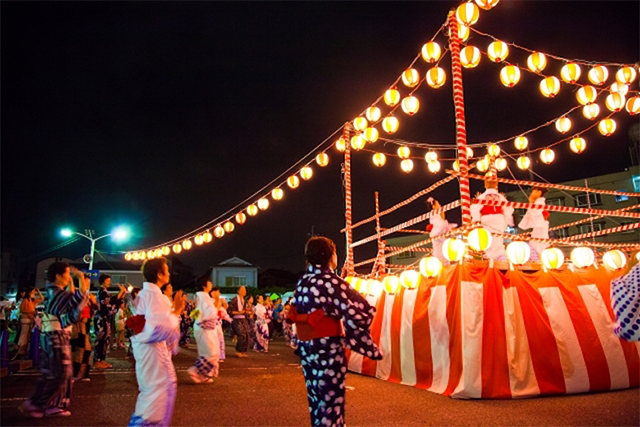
(65, 232)
(120, 234)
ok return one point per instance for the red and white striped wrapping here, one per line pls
(475, 332)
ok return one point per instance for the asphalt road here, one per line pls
(268, 390)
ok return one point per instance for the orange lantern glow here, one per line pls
(410, 77)
(410, 105)
(186, 245)
(373, 114)
(410, 279)
(470, 57)
(487, 4)
(392, 97)
(322, 159)
(552, 258)
(436, 77)
(374, 287)
(207, 236)
(390, 124)
(434, 166)
(500, 164)
(578, 145)
(360, 124)
(406, 165)
(128, 256)
(518, 253)
(467, 13)
(151, 254)
(229, 227)
(479, 239)
(493, 150)
(626, 75)
(510, 75)
(563, 124)
(582, 257)
(598, 75)
(199, 239)
(263, 204)
(277, 194)
(135, 256)
(521, 143)
(293, 181)
(607, 127)
(404, 152)
(241, 218)
(252, 210)
(371, 135)
(177, 248)
(431, 52)
(498, 51)
(591, 111)
(391, 284)
(570, 72)
(614, 259)
(218, 232)
(537, 62)
(469, 152)
(358, 142)
(615, 102)
(550, 86)
(431, 156)
(430, 266)
(523, 162)
(306, 173)
(547, 155)
(482, 165)
(453, 249)
(341, 145)
(633, 105)
(621, 88)
(463, 32)
(379, 159)
(456, 166)
(586, 94)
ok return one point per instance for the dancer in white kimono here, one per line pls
(438, 225)
(156, 329)
(262, 327)
(494, 219)
(536, 219)
(206, 331)
(221, 305)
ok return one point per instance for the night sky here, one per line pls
(165, 115)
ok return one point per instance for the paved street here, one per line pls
(268, 390)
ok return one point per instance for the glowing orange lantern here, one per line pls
(436, 77)
(199, 239)
(479, 239)
(166, 250)
(306, 173)
(521, 143)
(135, 256)
(341, 145)
(470, 57)
(500, 164)
(453, 249)
(463, 32)
(392, 97)
(547, 155)
(578, 145)
(431, 156)
(177, 248)
(621, 88)
(404, 152)
(410, 279)
(615, 102)
(614, 259)
(431, 52)
(570, 72)
(228, 227)
(523, 162)
(582, 257)
(598, 75)
(586, 94)
(391, 284)
(591, 111)
(550, 86)
(469, 151)
(322, 159)
(410, 105)
(373, 114)
(371, 134)
(626, 75)
(143, 255)
(277, 194)
(498, 51)
(510, 75)
(406, 165)
(379, 159)
(633, 105)
(493, 150)
(252, 210)
(374, 287)
(360, 124)
(150, 254)
(410, 77)
(430, 266)
(487, 4)
(390, 124)
(518, 253)
(358, 142)
(207, 236)
(467, 13)
(456, 166)
(563, 124)
(537, 62)
(263, 204)
(128, 256)
(241, 218)
(552, 258)
(607, 127)
(482, 165)
(218, 232)
(186, 245)
(434, 166)
(293, 181)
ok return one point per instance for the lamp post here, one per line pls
(118, 234)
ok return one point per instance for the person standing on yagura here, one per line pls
(329, 316)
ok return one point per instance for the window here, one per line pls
(562, 232)
(582, 202)
(407, 254)
(586, 228)
(636, 183)
(118, 280)
(620, 198)
(236, 281)
(556, 201)
(633, 230)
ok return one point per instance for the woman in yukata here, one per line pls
(206, 332)
(329, 317)
(221, 305)
(262, 327)
(250, 315)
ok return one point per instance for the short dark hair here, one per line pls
(165, 286)
(542, 190)
(55, 269)
(214, 288)
(151, 268)
(103, 277)
(135, 291)
(201, 282)
(319, 250)
(87, 276)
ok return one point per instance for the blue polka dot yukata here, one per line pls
(323, 360)
(625, 299)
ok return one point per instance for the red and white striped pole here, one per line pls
(461, 131)
(348, 268)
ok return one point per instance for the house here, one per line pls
(272, 277)
(235, 272)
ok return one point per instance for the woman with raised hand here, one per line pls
(206, 331)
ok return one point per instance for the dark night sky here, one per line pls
(165, 115)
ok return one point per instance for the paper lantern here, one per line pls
(607, 127)
(521, 143)
(391, 284)
(410, 105)
(479, 239)
(228, 227)
(563, 124)
(469, 152)
(431, 52)
(498, 51)
(410, 279)
(379, 159)
(358, 142)
(547, 155)
(523, 162)
(293, 181)
(404, 152)
(578, 145)
(159, 252)
(621, 88)
(614, 259)
(570, 72)
(431, 156)
(430, 266)
(518, 253)
(374, 287)
(207, 236)
(586, 94)
(263, 204)
(136, 256)
(165, 250)
(598, 75)
(177, 248)
(552, 258)
(633, 105)
(510, 75)
(218, 232)
(199, 239)
(470, 57)
(434, 166)
(322, 159)
(360, 285)
(482, 165)
(582, 257)
(626, 75)
(493, 150)
(463, 32)
(373, 114)
(550, 86)
(390, 124)
(615, 102)
(277, 194)
(467, 13)
(453, 249)
(351, 281)
(341, 145)
(487, 4)
(360, 124)
(186, 245)
(456, 166)
(252, 210)
(142, 255)
(500, 164)
(591, 111)
(537, 62)
(241, 218)
(151, 254)
(306, 173)
(406, 165)
(392, 97)
(410, 77)
(128, 256)
(436, 77)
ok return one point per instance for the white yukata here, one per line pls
(534, 219)
(152, 350)
(206, 331)
(439, 226)
(223, 315)
(494, 219)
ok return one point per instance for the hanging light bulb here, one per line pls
(166, 250)
(510, 75)
(391, 284)
(614, 259)
(406, 165)
(128, 256)
(570, 72)
(150, 254)
(207, 236)
(578, 145)
(341, 145)
(552, 258)
(482, 165)
(456, 166)
(241, 218)
(523, 162)
(392, 97)
(390, 124)
(463, 32)
(360, 124)
(518, 253)
(229, 227)
(293, 181)
(136, 256)
(487, 4)
(404, 152)
(218, 232)
(500, 163)
(615, 102)
(177, 248)
(371, 134)
(453, 249)
(621, 88)
(410, 105)
(199, 239)
(493, 150)
(430, 266)
(358, 142)
(434, 166)
(591, 111)
(277, 194)
(479, 239)
(550, 86)
(586, 94)
(467, 13)
(186, 245)
(469, 152)
(373, 114)
(410, 279)
(470, 57)
(436, 77)
(410, 77)
(306, 173)
(431, 156)
(431, 52)
(547, 155)
(374, 287)
(598, 75)
(263, 204)
(252, 210)
(626, 75)
(379, 159)
(582, 257)
(521, 143)
(498, 51)
(633, 105)
(322, 159)
(607, 127)
(563, 124)
(537, 62)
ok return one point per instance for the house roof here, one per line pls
(235, 262)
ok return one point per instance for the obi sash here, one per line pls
(315, 324)
(209, 323)
(136, 323)
(491, 210)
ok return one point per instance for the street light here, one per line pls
(118, 234)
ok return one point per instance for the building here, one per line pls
(271, 278)
(235, 272)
